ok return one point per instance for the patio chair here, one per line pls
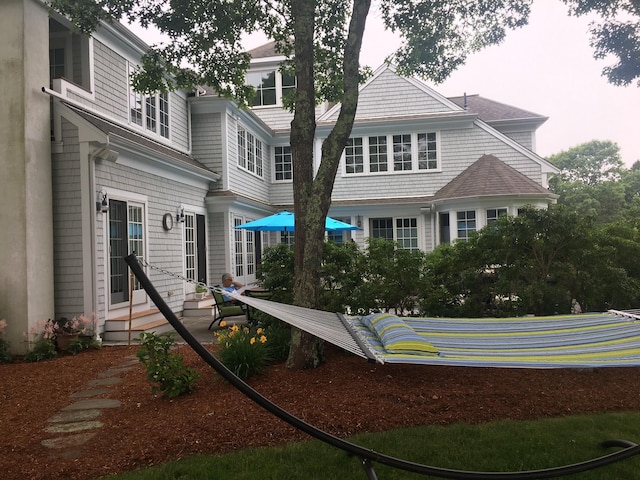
(225, 308)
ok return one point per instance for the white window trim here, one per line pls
(66, 87)
(143, 128)
(273, 170)
(265, 153)
(278, 79)
(390, 164)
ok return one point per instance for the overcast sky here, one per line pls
(546, 67)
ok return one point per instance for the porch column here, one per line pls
(26, 230)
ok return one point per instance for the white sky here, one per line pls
(546, 67)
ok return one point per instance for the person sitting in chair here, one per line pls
(230, 285)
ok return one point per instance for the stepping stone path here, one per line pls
(79, 422)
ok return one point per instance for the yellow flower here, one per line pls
(234, 328)
(259, 331)
(263, 339)
(253, 340)
(245, 330)
(223, 323)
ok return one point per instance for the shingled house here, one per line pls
(93, 170)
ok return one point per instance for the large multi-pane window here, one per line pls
(270, 87)
(406, 152)
(149, 111)
(283, 164)
(427, 151)
(407, 233)
(353, 156)
(494, 213)
(402, 230)
(402, 152)
(378, 154)
(382, 228)
(466, 224)
(250, 152)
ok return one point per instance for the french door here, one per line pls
(126, 235)
(195, 248)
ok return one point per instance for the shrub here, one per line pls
(243, 350)
(5, 354)
(164, 368)
(43, 349)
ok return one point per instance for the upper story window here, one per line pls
(405, 152)
(250, 152)
(150, 112)
(70, 60)
(283, 163)
(271, 86)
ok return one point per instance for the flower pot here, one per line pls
(63, 340)
(200, 296)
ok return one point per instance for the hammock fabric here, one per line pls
(367, 456)
(565, 341)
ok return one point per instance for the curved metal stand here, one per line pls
(365, 455)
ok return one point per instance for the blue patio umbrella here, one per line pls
(284, 222)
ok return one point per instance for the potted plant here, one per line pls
(201, 291)
(67, 330)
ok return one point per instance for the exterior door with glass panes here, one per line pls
(244, 244)
(126, 236)
(195, 249)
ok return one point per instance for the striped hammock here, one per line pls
(609, 339)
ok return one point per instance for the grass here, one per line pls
(497, 446)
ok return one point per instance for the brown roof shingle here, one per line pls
(489, 176)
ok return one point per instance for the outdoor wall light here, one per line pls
(102, 206)
(180, 214)
(359, 221)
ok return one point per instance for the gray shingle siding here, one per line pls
(67, 227)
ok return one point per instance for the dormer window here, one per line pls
(150, 112)
(271, 86)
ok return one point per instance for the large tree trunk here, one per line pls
(312, 197)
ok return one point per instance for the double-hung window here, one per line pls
(402, 230)
(494, 213)
(271, 86)
(150, 112)
(466, 224)
(283, 163)
(396, 153)
(250, 152)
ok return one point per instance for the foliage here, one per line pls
(164, 368)
(41, 349)
(5, 352)
(321, 41)
(278, 333)
(590, 163)
(275, 272)
(81, 325)
(243, 350)
(616, 34)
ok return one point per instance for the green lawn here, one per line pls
(498, 446)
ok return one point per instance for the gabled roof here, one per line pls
(264, 51)
(113, 130)
(491, 111)
(489, 176)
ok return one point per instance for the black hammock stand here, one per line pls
(367, 456)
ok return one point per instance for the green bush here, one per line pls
(43, 349)
(164, 368)
(5, 353)
(243, 350)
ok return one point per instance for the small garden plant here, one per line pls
(5, 352)
(164, 368)
(243, 350)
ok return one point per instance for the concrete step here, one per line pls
(137, 320)
(198, 312)
(156, 326)
(195, 304)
